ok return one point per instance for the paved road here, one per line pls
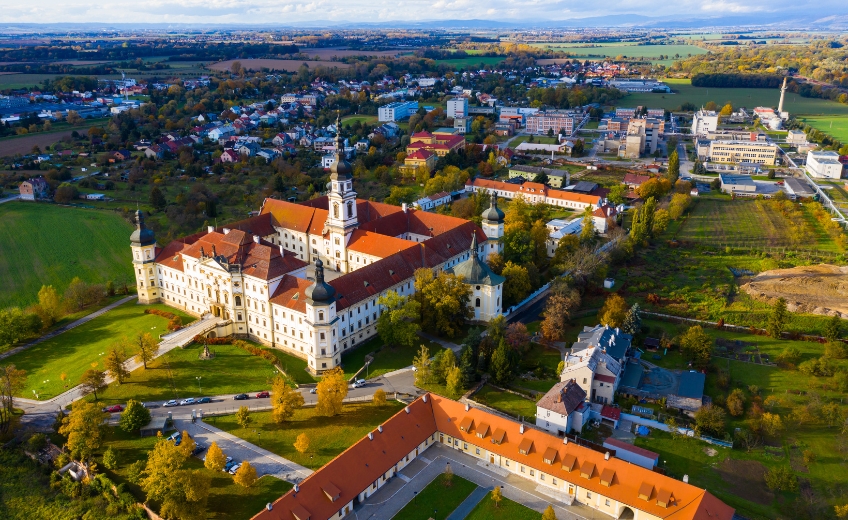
(10, 198)
(77, 323)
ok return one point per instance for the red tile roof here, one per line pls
(610, 412)
(262, 260)
(289, 293)
(605, 378)
(296, 217)
(422, 155)
(374, 244)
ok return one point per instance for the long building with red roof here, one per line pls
(575, 473)
(261, 275)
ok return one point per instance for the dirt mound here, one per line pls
(816, 289)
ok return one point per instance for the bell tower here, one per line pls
(342, 218)
(493, 226)
(143, 244)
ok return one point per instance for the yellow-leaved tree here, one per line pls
(285, 400)
(332, 390)
(215, 459)
(246, 475)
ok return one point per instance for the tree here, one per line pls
(789, 358)
(145, 347)
(501, 365)
(379, 398)
(65, 193)
(243, 416)
(736, 402)
(673, 172)
(115, 365)
(157, 198)
(134, 416)
(632, 323)
(187, 444)
(444, 302)
(93, 380)
(614, 311)
(617, 194)
(832, 329)
(578, 148)
(697, 346)
(83, 429)
(109, 459)
(421, 366)
(442, 363)
(73, 118)
(332, 390)
(398, 322)
(16, 325)
(49, 305)
(454, 380)
(301, 444)
(588, 233)
(771, 424)
(549, 513)
(12, 381)
(183, 493)
(246, 475)
(497, 496)
(781, 478)
(709, 419)
(831, 414)
(447, 477)
(285, 400)
(777, 319)
(660, 222)
(562, 302)
(517, 285)
(237, 68)
(215, 458)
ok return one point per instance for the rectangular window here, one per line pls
(607, 502)
(588, 494)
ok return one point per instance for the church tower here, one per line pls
(143, 244)
(493, 226)
(341, 220)
(321, 314)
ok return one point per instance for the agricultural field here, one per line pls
(75, 351)
(328, 436)
(835, 126)
(45, 244)
(327, 53)
(271, 64)
(23, 144)
(611, 50)
(15, 81)
(739, 97)
(471, 62)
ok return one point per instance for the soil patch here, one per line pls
(817, 289)
(23, 145)
(270, 64)
(747, 479)
(711, 452)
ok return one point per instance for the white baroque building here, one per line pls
(305, 278)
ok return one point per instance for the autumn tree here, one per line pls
(613, 312)
(697, 346)
(379, 398)
(285, 400)
(301, 444)
(215, 458)
(12, 381)
(243, 416)
(549, 513)
(134, 416)
(421, 365)
(49, 306)
(246, 475)
(443, 302)
(447, 476)
(736, 402)
(93, 380)
(332, 390)
(145, 347)
(673, 172)
(588, 233)
(517, 284)
(115, 365)
(398, 321)
(562, 302)
(183, 493)
(454, 381)
(497, 496)
(781, 478)
(83, 428)
(710, 419)
(777, 318)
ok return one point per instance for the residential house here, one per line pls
(561, 410)
(230, 156)
(534, 193)
(122, 155)
(595, 361)
(154, 151)
(34, 189)
(604, 218)
(433, 201)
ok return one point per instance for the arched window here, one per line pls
(349, 208)
(335, 210)
(477, 302)
(238, 301)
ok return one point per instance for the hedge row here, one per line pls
(247, 347)
(174, 321)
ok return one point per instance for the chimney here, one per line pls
(406, 409)
(467, 407)
(424, 398)
(296, 488)
(370, 436)
(256, 238)
(606, 456)
(210, 229)
(565, 440)
(521, 429)
(686, 479)
(226, 230)
(380, 428)
(282, 251)
(404, 207)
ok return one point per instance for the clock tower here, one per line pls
(341, 220)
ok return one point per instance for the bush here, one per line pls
(213, 341)
(781, 478)
(36, 443)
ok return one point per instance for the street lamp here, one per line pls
(198, 383)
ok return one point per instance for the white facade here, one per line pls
(396, 111)
(457, 107)
(704, 122)
(824, 165)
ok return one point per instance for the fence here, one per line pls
(229, 410)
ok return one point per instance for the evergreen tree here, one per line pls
(501, 367)
(832, 329)
(632, 322)
(157, 198)
(673, 172)
(467, 366)
(777, 319)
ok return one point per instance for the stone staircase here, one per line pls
(557, 495)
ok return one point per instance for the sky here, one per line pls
(335, 11)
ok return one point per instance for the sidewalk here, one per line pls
(443, 342)
(77, 323)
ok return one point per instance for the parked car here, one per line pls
(184, 402)
(233, 469)
(241, 397)
(202, 400)
(177, 437)
(150, 405)
(228, 466)
(359, 383)
(198, 449)
(114, 408)
(172, 402)
(263, 394)
(313, 390)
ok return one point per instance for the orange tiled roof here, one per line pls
(374, 244)
(259, 259)
(289, 293)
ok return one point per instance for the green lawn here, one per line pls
(45, 244)
(350, 120)
(72, 352)
(538, 139)
(437, 497)
(744, 97)
(294, 367)
(471, 62)
(328, 436)
(386, 358)
(506, 402)
(508, 510)
(631, 51)
(226, 499)
(174, 376)
(833, 125)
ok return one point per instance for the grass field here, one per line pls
(611, 50)
(539, 139)
(272, 64)
(386, 359)
(744, 97)
(349, 120)
(833, 125)
(437, 500)
(174, 376)
(73, 352)
(13, 81)
(508, 510)
(506, 402)
(328, 436)
(227, 500)
(50, 245)
(471, 62)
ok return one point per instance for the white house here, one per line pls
(561, 409)
(824, 165)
